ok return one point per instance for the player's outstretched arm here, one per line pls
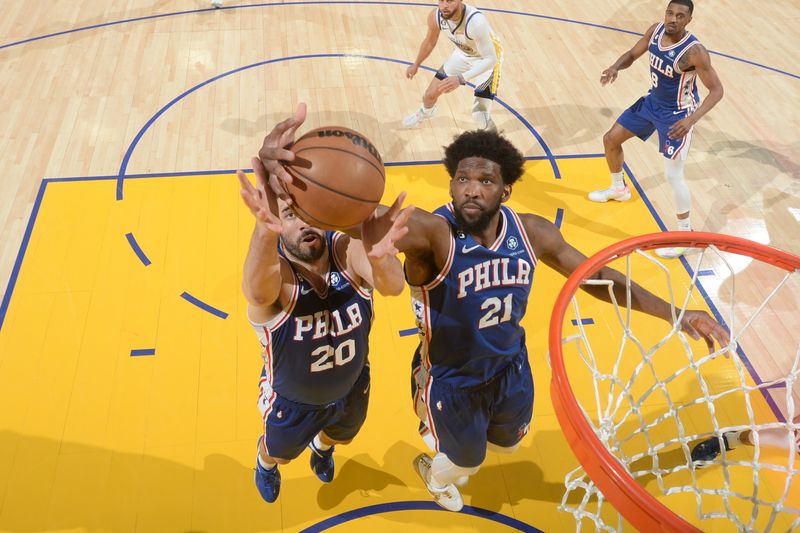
(427, 46)
(374, 257)
(555, 252)
(626, 60)
(261, 280)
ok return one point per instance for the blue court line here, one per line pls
(584, 322)
(204, 306)
(26, 238)
(381, 508)
(137, 249)
(407, 332)
(132, 147)
(706, 273)
(143, 351)
(146, 175)
(714, 311)
(559, 217)
(379, 3)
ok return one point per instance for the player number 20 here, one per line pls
(330, 356)
(493, 307)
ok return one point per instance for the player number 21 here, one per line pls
(493, 306)
(330, 357)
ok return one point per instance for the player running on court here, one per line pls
(672, 107)
(477, 58)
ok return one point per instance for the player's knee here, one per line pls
(673, 170)
(502, 449)
(610, 139)
(445, 471)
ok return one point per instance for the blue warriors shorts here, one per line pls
(289, 426)
(463, 420)
(648, 115)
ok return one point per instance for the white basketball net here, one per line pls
(654, 399)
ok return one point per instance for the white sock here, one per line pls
(318, 444)
(617, 180)
(427, 111)
(734, 438)
(684, 224)
(265, 465)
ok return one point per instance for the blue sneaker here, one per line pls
(268, 482)
(322, 462)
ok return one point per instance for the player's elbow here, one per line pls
(391, 288)
(258, 296)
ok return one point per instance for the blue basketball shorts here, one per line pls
(463, 420)
(289, 426)
(648, 115)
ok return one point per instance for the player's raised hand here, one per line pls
(699, 324)
(384, 227)
(274, 150)
(609, 75)
(260, 199)
(411, 71)
(449, 84)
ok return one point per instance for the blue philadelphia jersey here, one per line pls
(317, 346)
(469, 316)
(671, 87)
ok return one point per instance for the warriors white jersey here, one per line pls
(471, 33)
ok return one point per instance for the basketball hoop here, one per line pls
(613, 428)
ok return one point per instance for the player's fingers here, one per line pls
(396, 205)
(245, 184)
(402, 218)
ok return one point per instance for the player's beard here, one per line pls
(479, 224)
(302, 251)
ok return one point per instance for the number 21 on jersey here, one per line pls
(497, 311)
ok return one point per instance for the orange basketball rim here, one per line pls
(638, 506)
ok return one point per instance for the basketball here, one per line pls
(337, 177)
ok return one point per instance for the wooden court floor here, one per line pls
(127, 367)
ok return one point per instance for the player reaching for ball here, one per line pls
(309, 296)
(470, 265)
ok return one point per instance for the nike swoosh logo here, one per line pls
(678, 112)
(466, 250)
(305, 291)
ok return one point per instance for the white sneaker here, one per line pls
(446, 497)
(414, 119)
(216, 3)
(671, 253)
(604, 195)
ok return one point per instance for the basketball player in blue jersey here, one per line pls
(310, 301)
(672, 107)
(477, 58)
(470, 265)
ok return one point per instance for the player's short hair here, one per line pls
(488, 145)
(687, 3)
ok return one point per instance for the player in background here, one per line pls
(672, 107)
(477, 58)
